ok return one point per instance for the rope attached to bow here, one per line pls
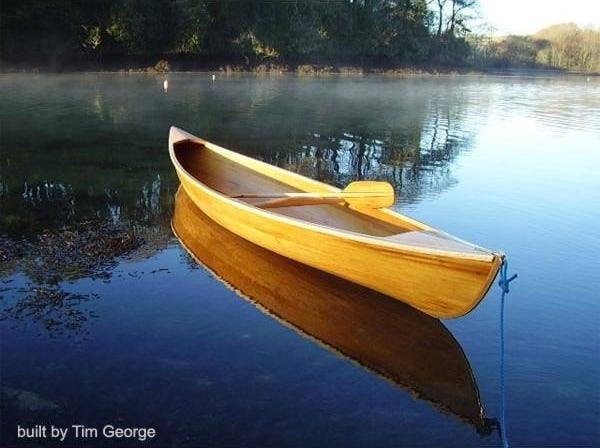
(503, 283)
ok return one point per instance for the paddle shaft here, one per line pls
(336, 195)
(298, 201)
(362, 194)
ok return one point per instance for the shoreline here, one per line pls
(350, 74)
(163, 66)
(314, 69)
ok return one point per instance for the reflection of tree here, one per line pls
(74, 203)
(338, 133)
(33, 208)
(107, 163)
(82, 237)
(416, 160)
(407, 132)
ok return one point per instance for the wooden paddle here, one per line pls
(360, 194)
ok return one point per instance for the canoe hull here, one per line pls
(332, 311)
(440, 286)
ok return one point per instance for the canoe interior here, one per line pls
(231, 178)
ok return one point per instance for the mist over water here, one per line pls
(105, 317)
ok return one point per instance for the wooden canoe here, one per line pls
(378, 248)
(386, 336)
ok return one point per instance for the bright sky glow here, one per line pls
(529, 16)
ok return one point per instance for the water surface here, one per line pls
(106, 318)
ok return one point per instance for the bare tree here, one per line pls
(440, 4)
(459, 7)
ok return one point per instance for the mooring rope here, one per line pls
(503, 283)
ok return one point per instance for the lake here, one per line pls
(107, 319)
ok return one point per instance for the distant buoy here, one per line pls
(213, 78)
(166, 84)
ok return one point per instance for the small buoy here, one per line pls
(213, 78)
(166, 84)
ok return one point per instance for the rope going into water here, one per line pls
(503, 283)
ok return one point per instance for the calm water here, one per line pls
(141, 335)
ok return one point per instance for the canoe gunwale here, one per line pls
(419, 252)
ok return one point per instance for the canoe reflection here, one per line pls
(402, 344)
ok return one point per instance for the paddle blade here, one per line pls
(369, 194)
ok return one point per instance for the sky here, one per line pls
(529, 16)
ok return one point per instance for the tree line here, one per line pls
(562, 46)
(247, 31)
(64, 33)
